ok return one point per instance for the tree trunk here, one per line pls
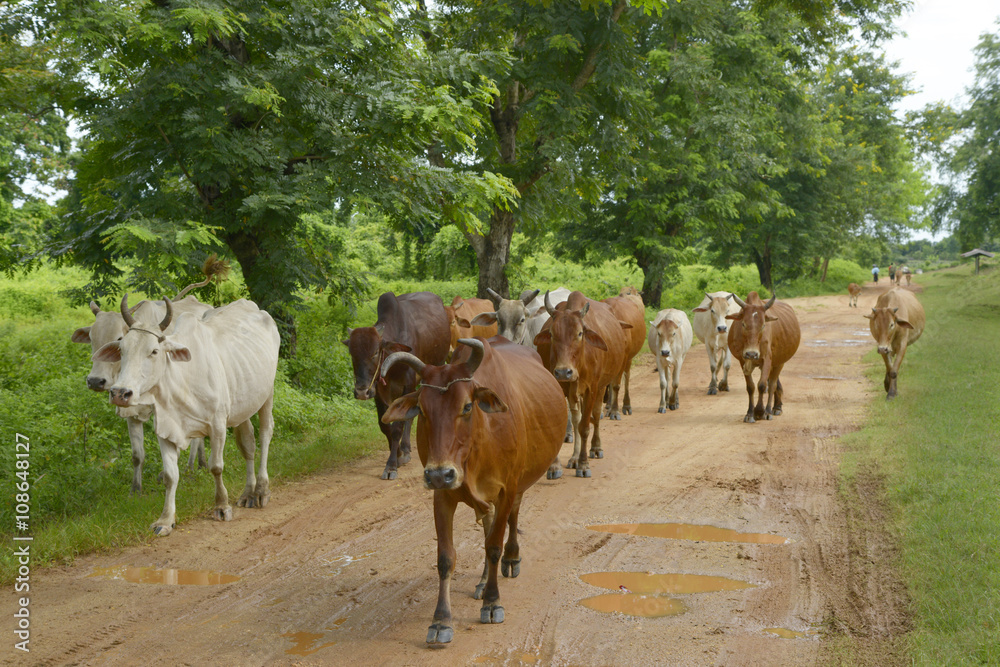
(763, 262)
(492, 253)
(826, 265)
(652, 280)
(259, 280)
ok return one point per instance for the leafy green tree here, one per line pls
(235, 119)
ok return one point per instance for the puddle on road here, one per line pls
(636, 604)
(785, 633)
(643, 582)
(686, 531)
(304, 643)
(169, 577)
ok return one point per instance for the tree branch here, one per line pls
(590, 62)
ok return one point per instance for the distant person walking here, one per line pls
(875, 273)
(892, 274)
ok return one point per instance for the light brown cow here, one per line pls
(896, 321)
(490, 423)
(765, 336)
(583, 345)
(853, 291)
(628, 308)
(461, 312)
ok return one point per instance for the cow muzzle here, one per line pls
(664, 353)
(95, 383)
(751, 354)
(721, 329)
(883, 349)
(121, 396)
(445, 477)
(364, 393)
(564, 374)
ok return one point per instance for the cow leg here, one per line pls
(675, 371)
(569, 423)
(627, 400)
(749, 418)
(440, 631)
(487, 521)
(165, 524)
(888, 372)
(595, 442)
(778, 393)
(403, 456)
(713, 365)
(217, 440)
(393, 433)
(576, 414)
(135, 437)
(263, 488)
(196, 459)
(243, 433)
(760, 412)
(510, 565)
(894, 370)
(491, 611)
(663, 385)
(612, 411)
(727, 361)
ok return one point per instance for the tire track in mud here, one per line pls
(351, 559)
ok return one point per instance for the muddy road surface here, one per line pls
(339, 569)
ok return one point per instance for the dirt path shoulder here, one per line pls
(340, 568)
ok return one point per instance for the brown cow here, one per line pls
(490, 423)
(767, 338)
(853, 291)
(414, 323)
(461, 312)
(583, 346)
(628, 308)
(896, 321)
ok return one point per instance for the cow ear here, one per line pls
(457, 301)
(544, 337)
(396, 347)
(488, 401)
(177, 352)
(464, 323)
(484, 319)
(770, 318)
(735, 316)
(347, 342)
(110, 352)
(594, 338)
(904, 324)
(81, 335)
(625, 325)
(699, 309)
(379, 328)
(868, 316)
(403, 408)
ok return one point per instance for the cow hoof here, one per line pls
(137, 489)
(389, 474)
(627, 410)
(491, 613)
(768, 416)
(712, 391)
(440, 634)
(247, 499)
(222, 514)
(776, 412)
(510, 568)
(478, 593)
(674, 407)
(404, 458)
(749, 419)
(723, 387)
(662, 411)
(615, 416)
(568, 438)
(583, 473)
(571, 463)
(162, 531)
(553, 473)
(597, 453)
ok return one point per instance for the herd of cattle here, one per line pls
(499, 384)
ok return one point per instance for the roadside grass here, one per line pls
(937, 447)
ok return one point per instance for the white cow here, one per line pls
(201, 376)
(711, 326)
(109, 326)
(669, 340)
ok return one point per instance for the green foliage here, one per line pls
(935, 445)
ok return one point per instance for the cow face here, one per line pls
(143, 352)
(368, 350)
(667, 332)
(751, 320)
(107, 327)
(512, 320)
(718, 309)
(885, 324)
(567, 337)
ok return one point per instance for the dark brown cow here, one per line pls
(461, 312)
(766, 337)
(628, 308)
(583, 346)
(413, 323)
(491, 421)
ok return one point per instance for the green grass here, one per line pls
(937, 446)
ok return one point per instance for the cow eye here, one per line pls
(522, 321)
(155, 352)
(467, 409)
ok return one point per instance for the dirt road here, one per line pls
(340, 568)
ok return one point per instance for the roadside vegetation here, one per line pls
(934, 451)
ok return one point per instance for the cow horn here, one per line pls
(169, 316)
(478, 349)
(770, 301)
(407, 358)
(739, 302)
(94, 308)
(494, 297)
(529, 297)
(126, 313)
(548, 305)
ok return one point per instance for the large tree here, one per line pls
(227, 121)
